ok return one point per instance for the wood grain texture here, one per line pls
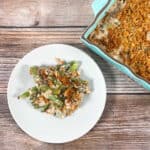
(125, 124)
(15, 43)
(33, 13)
(27, 24)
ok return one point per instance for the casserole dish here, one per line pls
(100, 8)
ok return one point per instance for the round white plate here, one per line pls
(45, 127)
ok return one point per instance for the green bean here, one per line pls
(34, 71)
(55, 100)
(36, 106)
(43, 88)
(74, 66)
(33, 91)
(44, 108)
(24, 95)
(56, 91)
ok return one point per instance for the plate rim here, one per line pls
(54, 141)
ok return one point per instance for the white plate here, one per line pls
(45, 127)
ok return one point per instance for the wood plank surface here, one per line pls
(33, 13)
(125, 125)
(14, 44)
(28, 24)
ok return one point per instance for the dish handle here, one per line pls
(98, 5)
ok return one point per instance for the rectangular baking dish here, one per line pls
(100, 7)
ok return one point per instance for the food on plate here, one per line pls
(124, 34)
(58, 90)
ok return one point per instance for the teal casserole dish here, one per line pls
(100, 8)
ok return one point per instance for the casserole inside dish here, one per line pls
(124, 34)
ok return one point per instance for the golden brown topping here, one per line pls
(60, 61)
(129, 40)
(41, 101)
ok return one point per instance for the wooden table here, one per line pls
(27, 24)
